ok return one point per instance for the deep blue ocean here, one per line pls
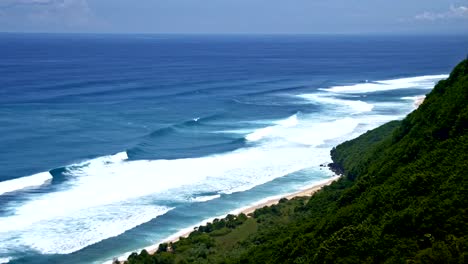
(112, 143)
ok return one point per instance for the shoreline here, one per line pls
(307, 192)
(269, 201)
(419, 100)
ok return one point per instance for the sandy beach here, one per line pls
(419, 101)
(307, 192)
(250, 209)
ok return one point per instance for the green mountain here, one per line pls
(403, 199)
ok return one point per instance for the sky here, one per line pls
(235, 16)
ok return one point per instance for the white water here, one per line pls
(110, 195)
(207, 198)
(280, 125)
(187, 230)
(25, 182)
(105, 191)
(352, 106)
(44, 178)
(420, 82)
(79, 229)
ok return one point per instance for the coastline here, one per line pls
(419, 100)
(308, 191)
(303, 193)
(269, 201)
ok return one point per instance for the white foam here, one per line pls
(207, 198)
(420, 82)
(119, 157)
(288, 122)
(91, 210)
(410, 98)
(305, 132)
(314, 135)
(25, 182)
(5, 260)
(185, 231)
(93, 207)
(85, 227)
(357, 106)
(110, 195)
(417, 100)
(261, 133)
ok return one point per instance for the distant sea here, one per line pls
(111, 143)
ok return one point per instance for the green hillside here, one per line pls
(403, 199)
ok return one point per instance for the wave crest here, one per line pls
(420, 82)
(25, 182)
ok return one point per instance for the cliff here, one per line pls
(402, 199)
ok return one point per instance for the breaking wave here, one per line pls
(420, 82)
(25, 182)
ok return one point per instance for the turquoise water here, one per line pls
(112, 143)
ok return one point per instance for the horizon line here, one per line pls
(248, 34)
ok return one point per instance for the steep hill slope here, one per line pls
(403, 199)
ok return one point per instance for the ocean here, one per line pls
(112, 143)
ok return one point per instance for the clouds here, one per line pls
(72, 11)
(35, 1)
(47, 15)
(454, 12)
(17, 3)
(233, 16)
